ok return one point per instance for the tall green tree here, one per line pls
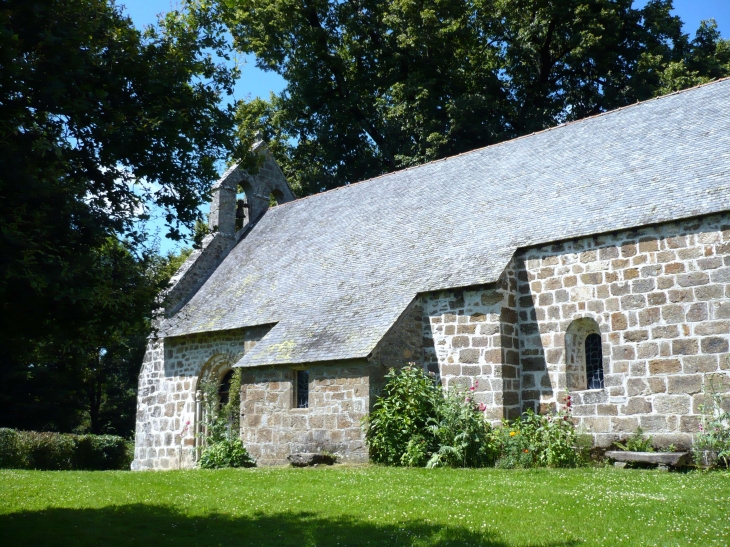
(375, 85)
(89, 384)
(97, 121)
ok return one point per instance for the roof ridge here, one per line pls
(505, 142)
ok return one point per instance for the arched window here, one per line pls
(584, 355)
(241, 210)
(275, 197)
(594, 361)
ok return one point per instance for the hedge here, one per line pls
(61, 451)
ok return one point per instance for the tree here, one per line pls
(374, 86)
(97, 120)
(90, 384)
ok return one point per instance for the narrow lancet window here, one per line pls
(302, 389)
(594, 361)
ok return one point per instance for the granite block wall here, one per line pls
(168, 383)
(471, 339)
(339, 397)
(660, 298)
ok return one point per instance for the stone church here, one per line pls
(591, 258)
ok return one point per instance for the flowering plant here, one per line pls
(396, 430)
(463, 435)
(712, 443)
(534, 440)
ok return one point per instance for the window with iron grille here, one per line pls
(302, 389)
(594, 361)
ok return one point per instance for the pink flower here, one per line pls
(482, 407)
(472, 388)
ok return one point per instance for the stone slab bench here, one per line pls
(306, 459)
(663, 460)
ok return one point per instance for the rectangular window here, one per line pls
(302, 389)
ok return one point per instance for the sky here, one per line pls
(255, 82)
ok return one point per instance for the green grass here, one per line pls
(365, 506)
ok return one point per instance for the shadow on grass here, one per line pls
(141, 524)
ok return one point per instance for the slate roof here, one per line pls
(335, 270)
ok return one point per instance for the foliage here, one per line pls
(231, 411)
(712, 444)
(215, 426)
(364, 506)
(414, 423)
(223, 448)
(90, 385)
(54, 451)
(10, 453)
(463, 436)
(398, 422)
(377, 86)
(534, 440)
(637, 442)
(98, 121)
(133, 117)
(226, 453)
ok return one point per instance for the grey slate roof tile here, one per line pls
(335, 270)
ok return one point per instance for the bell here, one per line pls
(240, 206)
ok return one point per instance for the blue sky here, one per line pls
(257, 83)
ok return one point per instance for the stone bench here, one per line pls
(307, 459)
(663, 460)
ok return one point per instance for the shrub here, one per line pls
(226, 453)
(47, 451)
(534, 440)
(59, 451)
(397, 429)
(222, 448)
(98, 452)
(463, 436)
(414, 423)
(10, 455)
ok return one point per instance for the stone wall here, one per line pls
(470, 337)
(166, 398)
(660, 296)
(258, 188)
(339, 397)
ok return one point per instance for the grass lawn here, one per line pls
(365, 506)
